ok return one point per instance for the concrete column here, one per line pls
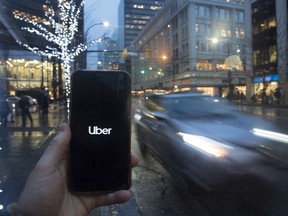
(248, 51)
(192, 36)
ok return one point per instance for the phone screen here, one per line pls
(100, 150)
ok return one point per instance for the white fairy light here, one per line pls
(59, 30)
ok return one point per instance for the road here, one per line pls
(154, 190)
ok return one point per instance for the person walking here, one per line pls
(4, 111)
(44, 104)
(24, 105)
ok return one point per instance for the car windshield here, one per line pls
(198, 106)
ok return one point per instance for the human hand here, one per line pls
(46, 190)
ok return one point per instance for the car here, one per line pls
(208, 142)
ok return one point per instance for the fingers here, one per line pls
(94, 201)
(116, 197)
(134, 160)
(57, 148)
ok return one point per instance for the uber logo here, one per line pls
(94, 130)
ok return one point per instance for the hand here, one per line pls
(46, 190)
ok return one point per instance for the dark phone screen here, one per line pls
(100, 157)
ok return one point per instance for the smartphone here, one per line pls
(100, 122)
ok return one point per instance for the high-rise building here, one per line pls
(186, 45)
(269, 33)
(133, 15)
(108, 57)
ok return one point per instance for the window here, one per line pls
(175, 39)
(203, 11)
(204, 64)
(185, 32)
(239, 16)
(197, 28)
(223, 13)
(203, 28)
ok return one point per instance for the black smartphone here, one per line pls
(100, 122)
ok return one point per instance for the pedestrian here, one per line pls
(46, 190)
(44, 104)
(278, 95)
(264, 96)
(4, 111)
(24, 104)
(242, 97)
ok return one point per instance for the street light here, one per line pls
(105, 24)
(230, 86)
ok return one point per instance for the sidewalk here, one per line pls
(258, 103)
(42, 126)
(56, 115)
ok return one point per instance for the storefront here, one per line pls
(22, 74)
(267, 83)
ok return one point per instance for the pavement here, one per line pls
(21, 148)
(258, 103)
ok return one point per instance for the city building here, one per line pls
(21, 69)
(108, 55)
(133, 15)
(186, 44)
(269, 33)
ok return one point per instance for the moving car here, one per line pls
(206, 141)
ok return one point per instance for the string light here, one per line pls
(59, 30)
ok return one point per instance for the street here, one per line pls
(154, 190)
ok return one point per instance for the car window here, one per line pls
(153, 104)
(197, 106)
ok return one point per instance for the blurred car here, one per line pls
(206, 141)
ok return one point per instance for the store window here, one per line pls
(204, 64)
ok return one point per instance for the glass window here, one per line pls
(240, 16)
(197, 28)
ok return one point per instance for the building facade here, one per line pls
(133, 15)
(186, 44)
(21, 69)
(108, 58)
(269, 32)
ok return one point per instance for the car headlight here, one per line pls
(270, 135)
(205, 145)
(137, 116)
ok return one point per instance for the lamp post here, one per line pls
(230, 86)
(229, 74)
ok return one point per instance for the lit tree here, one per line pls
(59, 29)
